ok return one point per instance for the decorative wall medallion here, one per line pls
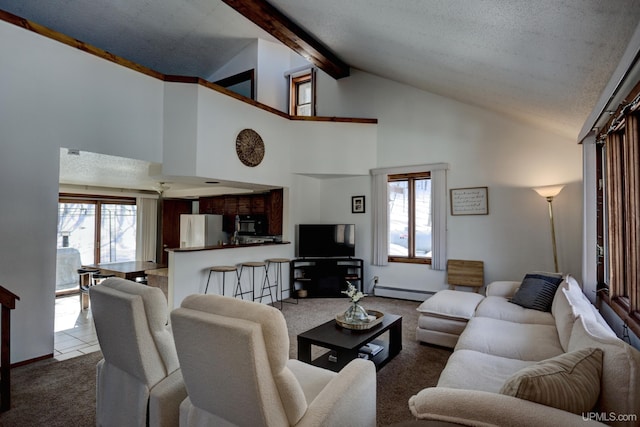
(250, 147)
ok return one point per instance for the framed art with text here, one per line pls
(469, 201)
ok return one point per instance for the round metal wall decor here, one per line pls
(250, 147)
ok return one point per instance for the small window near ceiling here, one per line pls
(302, 95)
(241, 83)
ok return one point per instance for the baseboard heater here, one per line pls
(400, 293)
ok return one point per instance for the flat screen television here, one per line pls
(326, 240)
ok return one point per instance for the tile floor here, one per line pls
(75, 334)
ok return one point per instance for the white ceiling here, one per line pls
(543, 61)
(86, 172)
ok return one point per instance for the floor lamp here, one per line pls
(549, 192)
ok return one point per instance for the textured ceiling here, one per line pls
(543, 61)
(81, 171)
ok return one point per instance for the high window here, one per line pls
(302, 95)
(619, 212)
(410, 218)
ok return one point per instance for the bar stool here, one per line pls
(222, 269)
(97, 278)
(85, 281)
(265, 282)
(278, 277)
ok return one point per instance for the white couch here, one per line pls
(502, 338)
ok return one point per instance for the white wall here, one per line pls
(483, 149)
(273, 61)
(56, 96)
(270, 61)
(246, 59)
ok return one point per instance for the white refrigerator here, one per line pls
(201, 230)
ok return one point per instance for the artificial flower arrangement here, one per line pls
(355, 313)
(353, 293)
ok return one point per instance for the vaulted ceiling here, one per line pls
(543, 61)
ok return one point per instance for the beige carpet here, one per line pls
(52, 393)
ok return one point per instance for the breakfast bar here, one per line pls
(188, 269)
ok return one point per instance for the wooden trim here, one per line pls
(411, 175)
(333, 119)
(267, 17)
(70, 41)
(245, 76)
(620, 306)
(8, 298)
(294, 93)
(54, 35)
(224, 90)
(30, 361)
(409, 260)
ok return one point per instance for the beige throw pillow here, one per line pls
(570, 381)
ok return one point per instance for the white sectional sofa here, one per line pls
(505, 350)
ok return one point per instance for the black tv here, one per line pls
(326, 240)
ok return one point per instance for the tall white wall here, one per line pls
(273, 61)
(56, 96)
(483, 149)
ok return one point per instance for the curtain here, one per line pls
(380, 218)
(632, 208)
(439, 211)
(615, 211)
(146, 228)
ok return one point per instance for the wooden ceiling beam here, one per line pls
(292, 35)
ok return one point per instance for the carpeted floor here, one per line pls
(51, 393)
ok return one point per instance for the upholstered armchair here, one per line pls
(234, 357)
(139, 382)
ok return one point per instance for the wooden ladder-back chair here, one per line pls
(465, 273)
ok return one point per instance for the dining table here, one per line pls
(126, 269)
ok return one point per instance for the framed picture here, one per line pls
(469, 201)
(357, 204)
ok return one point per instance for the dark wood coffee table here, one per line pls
(346, 343)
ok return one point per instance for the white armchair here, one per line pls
(139, 382)
(234, 357)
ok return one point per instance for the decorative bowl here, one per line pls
(375, 316)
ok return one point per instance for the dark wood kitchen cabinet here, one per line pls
(171, 211)
(270, 204)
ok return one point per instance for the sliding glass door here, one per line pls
(93, 230)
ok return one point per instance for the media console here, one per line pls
(325, 277)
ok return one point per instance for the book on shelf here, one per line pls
(371, 349)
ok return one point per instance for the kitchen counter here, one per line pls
(189, 267)
(225, 246)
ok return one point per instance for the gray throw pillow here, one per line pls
(537, 291)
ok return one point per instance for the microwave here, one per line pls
(253, 225)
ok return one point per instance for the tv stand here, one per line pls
(326, 277)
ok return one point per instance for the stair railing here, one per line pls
(8, 301)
